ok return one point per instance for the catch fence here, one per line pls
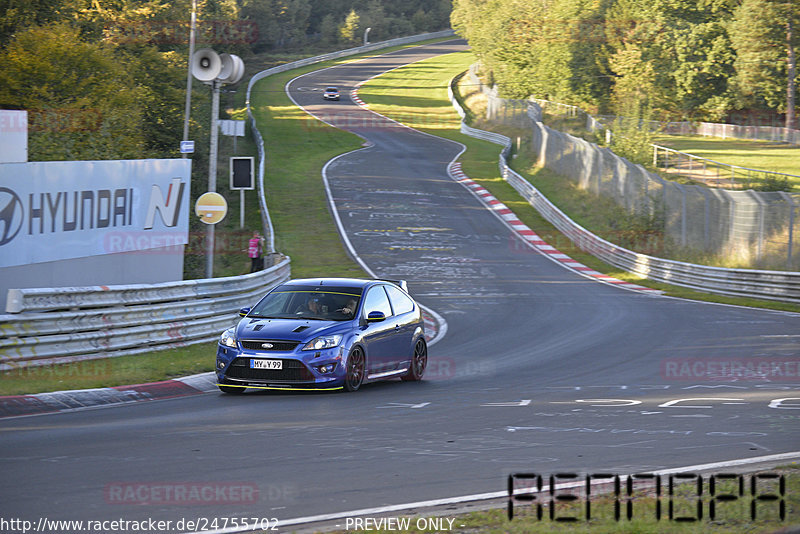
(757, 229)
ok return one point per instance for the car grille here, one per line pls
(293, 371)
(281, 346)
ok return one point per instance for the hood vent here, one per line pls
(300, 328)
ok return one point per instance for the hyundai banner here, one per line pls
(62, 210)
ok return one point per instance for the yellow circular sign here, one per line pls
(211, 208)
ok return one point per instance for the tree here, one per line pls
(791, 75)
(375, 18)
(161, 79)
(82, 104)
(329, 29)
(675, 58)
(551, 48)
(16, 15)
(292, 21)
(638, 55)
(421, 21)
(348, 31)
(765, 37)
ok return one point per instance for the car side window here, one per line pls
(376, 300)
(401, 303)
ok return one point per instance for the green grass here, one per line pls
(123, 370)
(730, 517)
(297, 148)
(398, 94)
(760, 155)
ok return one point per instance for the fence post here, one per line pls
(760, 244)
(682, 189)
(788, 198)
(706, 219)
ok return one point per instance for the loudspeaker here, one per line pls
(232, 69)
(206, 65)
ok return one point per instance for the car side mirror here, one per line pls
(375, 317)
(243, 312)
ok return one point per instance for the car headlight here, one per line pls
(324, 342)
(228, 338)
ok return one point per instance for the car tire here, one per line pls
(356, 368)
(419, 361)
(231, 390)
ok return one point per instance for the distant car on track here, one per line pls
(324, 333)
(331, 93)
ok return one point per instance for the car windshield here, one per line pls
(331, 89)
(329, 304)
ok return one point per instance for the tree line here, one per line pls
(665, 59)
(293, 23)
(106, 79)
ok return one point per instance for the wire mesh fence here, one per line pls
(745, 228)
(714, 173)
(775, 134)
(756, 133)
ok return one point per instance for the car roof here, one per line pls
(339, 282)
(322, 282)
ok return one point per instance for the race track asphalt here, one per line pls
(540, 370)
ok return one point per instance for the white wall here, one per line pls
(76, 223)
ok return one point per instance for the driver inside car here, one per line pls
(312, 307)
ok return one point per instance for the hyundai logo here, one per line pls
(266, 345)
(11, 215)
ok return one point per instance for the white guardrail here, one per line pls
(46, 326)
(772, 285)
(68, 324)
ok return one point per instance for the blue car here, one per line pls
(324, 334)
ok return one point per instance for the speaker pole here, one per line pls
(212, 172)
(188, 109)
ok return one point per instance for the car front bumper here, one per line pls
(298, 369)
